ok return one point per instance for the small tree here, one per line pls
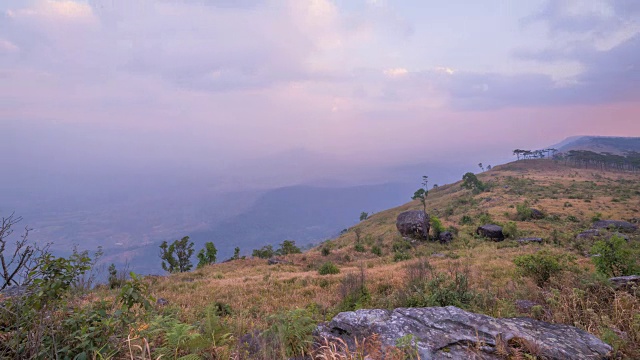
(22, 259)
(421, 194)
(263, 253)
(288, 247)
(471, 182)
(177, 256)
(236, 253)
(207, 255)
(364, 216)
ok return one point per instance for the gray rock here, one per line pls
(588, 234)
(162, 302)
(491, 231)
(445, 237)
(615, 225)
(452, 333)
(625, 282)
(414, 224)
(525, 306)
(530, 240)
(276, 261)
(536, 214)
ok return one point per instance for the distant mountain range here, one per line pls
(600, 144)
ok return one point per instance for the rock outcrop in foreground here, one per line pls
(452, 333)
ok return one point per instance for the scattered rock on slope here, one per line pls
(452, 333)
(536, 214)
(414, 224)
(624, 282)
(445, 237)
(491, 231)
(615, 225)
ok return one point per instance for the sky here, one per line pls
(88, 86)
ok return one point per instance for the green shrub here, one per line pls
(426, 287)
(292, 332)
(466, 220)
(376, 250)
(354, 292)
(114, 280)
(485, 218)
(523, 212)
(265, 252)
(359, 247)
(436, 227)
(401, 256)
(328, 268)
(573, 219)
(401, 245)
(615, 257)
(540, 266)
(471, 182)
(325, 251)
(510, 230)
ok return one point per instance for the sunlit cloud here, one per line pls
(396, 72)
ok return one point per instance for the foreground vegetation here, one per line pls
(245, 308)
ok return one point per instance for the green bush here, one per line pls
(471, 182)
(354, 292)
(436, 227)
(292, 332)
(401, 245)
(376, 250)
(510, 230)
(328, 268)
(485, 218)
(466, 220)
(523, 212)
(426, 287)
(401, 256)
(265, 252)
(540, 266)
(325, 251)
(614, 257)
(359, 247)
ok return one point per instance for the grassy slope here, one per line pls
(255, 290)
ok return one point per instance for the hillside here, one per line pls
(601, 144)
(380, 269)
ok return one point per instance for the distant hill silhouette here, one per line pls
(601, 144)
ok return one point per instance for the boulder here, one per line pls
(162, 302)
(528, 240)
(536, 214)
(452, 333)
(588, 234)
(445, 237)
(625, 282)
(525, 306)
(414, 224)
(491, 231)
(276, 261)
(615, 225)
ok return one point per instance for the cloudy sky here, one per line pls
(214, 82)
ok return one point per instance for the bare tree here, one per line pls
(18, 263)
